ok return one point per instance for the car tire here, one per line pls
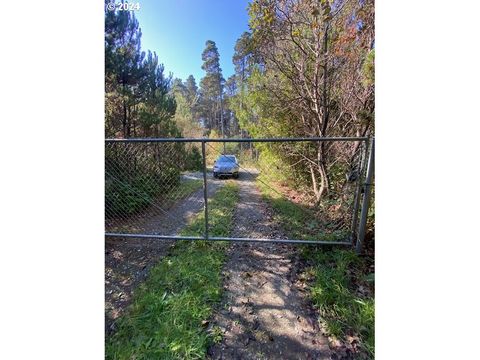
(215, 175)
(235, 176)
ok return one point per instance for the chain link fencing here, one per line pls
(155, 187)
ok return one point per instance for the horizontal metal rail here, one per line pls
(154, 236)
(233, 140)
(194, 238)
(205, 141)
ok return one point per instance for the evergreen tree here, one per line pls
(211, 88)
(137, 99)
(191, 90)
(123, 63)
(242, 58)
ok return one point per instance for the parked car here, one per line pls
(226, 165)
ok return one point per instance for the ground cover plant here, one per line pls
(170, 311)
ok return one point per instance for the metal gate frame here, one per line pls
(356, 239)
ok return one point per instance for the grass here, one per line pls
(345, 313)
(334, 278)
(170, 310)
(298, 221)
(184, 189)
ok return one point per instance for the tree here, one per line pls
(191, 91)
(231, 121)
(123, 65)
(157, 107)
(186, 97)
(306, 76)
(137, 99)
(211, 88)
(242, 59)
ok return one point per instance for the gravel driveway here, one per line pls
(264, 314)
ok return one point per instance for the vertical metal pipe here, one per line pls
(366, 198)
(205, 190)
(356, 201)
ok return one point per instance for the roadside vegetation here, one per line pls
(342, 289)
(169, 314)
(300, 221)
(340, 284)
(129, 195)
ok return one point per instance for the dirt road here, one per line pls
(263, 314)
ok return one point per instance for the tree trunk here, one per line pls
(321, 186)
(124, 120)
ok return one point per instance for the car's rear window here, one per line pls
(227, 159)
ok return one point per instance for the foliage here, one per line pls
(137, 99)
(166, 318)
(368, 69)
(344, 311)
(306, 69)
(211, 88)
(133, 195)
(186, 96)
(194, 160)
(299, 221)
(135, 179)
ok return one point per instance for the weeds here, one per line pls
(339, 285)
(166, 318)
(343, 295)
(297, 220)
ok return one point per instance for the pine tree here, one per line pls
(137, 99)
(211, 89)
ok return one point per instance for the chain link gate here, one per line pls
(155, 187)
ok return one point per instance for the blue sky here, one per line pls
(177, 31)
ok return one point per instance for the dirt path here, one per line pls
(128, 261)
(263, 314)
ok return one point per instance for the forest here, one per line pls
(305, 68)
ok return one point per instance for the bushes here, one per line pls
(129, 196)
(138, 174)
(193, 160)
(135, 177)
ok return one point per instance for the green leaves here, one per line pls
(368, 69)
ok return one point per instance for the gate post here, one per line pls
(358, 190)
(205, 191)
(366, 198)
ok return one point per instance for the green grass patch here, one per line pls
(167, 316)
(297, 220)
(335, 275)
(333, 278)
(184, 189)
